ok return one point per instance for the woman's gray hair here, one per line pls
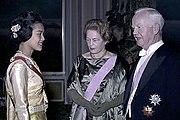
(153, 14)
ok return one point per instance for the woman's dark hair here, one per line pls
(21, 27)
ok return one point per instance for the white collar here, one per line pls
(152, 48)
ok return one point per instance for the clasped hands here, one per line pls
(97, 110)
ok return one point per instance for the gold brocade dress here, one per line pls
(26, 98)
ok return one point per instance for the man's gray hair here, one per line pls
(153, 15)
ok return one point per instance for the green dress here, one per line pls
(112, 86)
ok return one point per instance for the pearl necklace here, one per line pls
(30, 59)
(100, 57)
(19, 51)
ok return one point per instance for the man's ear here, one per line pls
(156, 28)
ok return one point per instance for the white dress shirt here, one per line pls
(145, 57)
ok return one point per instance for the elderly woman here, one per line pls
(97, 81)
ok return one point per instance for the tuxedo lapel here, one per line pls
(151, 67)
(153, 64)
(129, 84)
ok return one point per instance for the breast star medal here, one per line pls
(155, 99)
(147, 111)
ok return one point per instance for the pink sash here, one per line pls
(97, 79)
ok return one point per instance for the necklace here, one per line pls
(19, 51)
(99, 57)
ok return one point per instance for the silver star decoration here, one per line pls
(155, 99)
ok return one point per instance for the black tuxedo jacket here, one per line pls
(161, 78)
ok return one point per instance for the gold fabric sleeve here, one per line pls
(24, 88)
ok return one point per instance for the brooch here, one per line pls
(155, 99)
(29, 63)
(147, 111)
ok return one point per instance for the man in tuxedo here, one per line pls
(152, 92)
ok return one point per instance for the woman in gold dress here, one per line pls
(26, 98)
